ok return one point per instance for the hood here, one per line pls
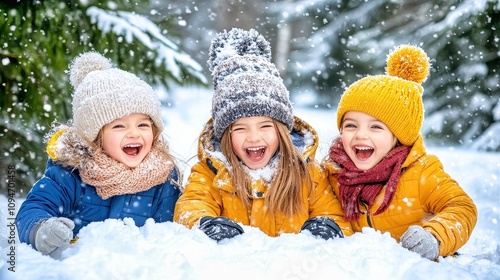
(66, 146)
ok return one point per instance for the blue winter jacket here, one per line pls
(61, 193)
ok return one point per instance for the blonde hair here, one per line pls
(284, 191)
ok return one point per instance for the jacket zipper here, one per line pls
(368, 217)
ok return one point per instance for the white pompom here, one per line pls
(86, 63)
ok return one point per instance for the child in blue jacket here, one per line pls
(109, 162)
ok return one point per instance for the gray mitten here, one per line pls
(53, 233)
(418, 240)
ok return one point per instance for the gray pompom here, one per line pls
(237, 42)
(86, 63)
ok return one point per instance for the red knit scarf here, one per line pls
(364, 185)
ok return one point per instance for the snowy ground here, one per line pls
(119, 250)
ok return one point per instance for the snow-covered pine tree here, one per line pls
(40, 38)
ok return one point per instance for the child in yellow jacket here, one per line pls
(386, 180)
(256, 160)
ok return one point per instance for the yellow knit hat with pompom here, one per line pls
(395, 98)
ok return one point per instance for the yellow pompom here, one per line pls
(51, 145)
(409, 63)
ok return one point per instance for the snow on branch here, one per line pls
(137, 27)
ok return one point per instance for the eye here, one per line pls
(117, 126)
(144, 125)
(349, 125)
(378, 126)
(238, 129)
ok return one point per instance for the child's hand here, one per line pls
(418, 240)
(323, 227)
(220, 228)
(53, 233)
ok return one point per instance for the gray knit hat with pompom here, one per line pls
(103, 94)
(246, 83)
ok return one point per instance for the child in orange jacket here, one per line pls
(256, 160)
(386, 180)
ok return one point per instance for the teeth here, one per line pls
(133, 146)
(364, 148)
(254, 149)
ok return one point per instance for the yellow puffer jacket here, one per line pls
(210, 190)
(425, 196)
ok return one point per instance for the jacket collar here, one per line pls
(416, 152)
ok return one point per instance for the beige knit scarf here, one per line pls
(111, 177)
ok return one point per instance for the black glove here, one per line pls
(323, 227)
(220, 228)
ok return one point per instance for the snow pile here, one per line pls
(119, 250)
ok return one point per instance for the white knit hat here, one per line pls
(104, 94)
(246, 83)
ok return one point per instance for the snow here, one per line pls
(116, 249)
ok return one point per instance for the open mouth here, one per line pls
(363, 152)
(132, 149)
(255, 153)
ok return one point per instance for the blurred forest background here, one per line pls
(320, 47)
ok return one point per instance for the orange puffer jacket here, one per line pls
(210, 191)
(425, 196)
